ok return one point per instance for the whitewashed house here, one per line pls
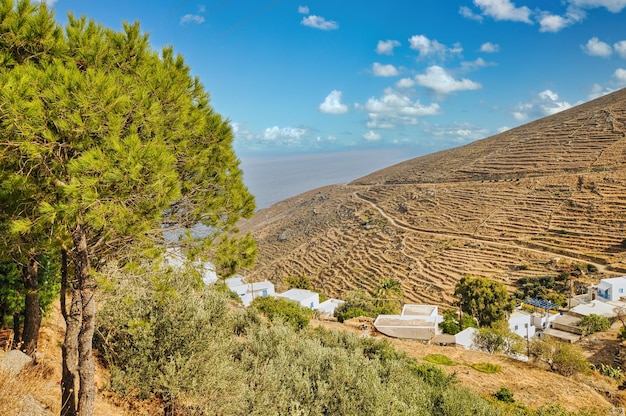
(327, 308)
(522, 323)
(304, 297)
(607, 309)
(611, 289)
(416, 322)
(465, 338)
(249, 291)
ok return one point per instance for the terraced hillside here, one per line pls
(532, 201)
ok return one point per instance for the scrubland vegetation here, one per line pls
(166, 337)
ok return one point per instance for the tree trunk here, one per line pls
(32, 311)
(69, 349)
(86, 364)
(17, 330)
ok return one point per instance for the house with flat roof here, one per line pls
(416, 322)
(327, 308)
(304, 297)
(249, 291)
(611, 289)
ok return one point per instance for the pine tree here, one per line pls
(114, 146)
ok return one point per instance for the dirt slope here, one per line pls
(532, 201)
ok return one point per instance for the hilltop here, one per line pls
(536, 200)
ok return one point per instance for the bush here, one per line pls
(486, 368)
(344, 314)
(162, 338)
(358, 303)
(438, 359)
(299, 282)
(613, 372)
(504, 395)
(499, 339)
(563, 358)
(287, 310)
(591, 324)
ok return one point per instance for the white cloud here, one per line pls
(405, 83)
(620, 75)
(549, 22)
(303, 9)
(394, 108)
(318, 22)
(437, 79)
(191, 18)
(381, 70)
(284, 134)
(614, 6)
(371, 136)
(620, 48)
(475, 64)
(469, 14)
(332, 104)
(544, 104)
(504, 10)
(385, 47)
(595, 47)
(428, 47)
(49, 3)
(489, 47)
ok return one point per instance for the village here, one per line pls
(531, 319)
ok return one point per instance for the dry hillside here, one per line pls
(532, 201)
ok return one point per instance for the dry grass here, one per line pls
(32, 389)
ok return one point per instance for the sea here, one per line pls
(272, 179)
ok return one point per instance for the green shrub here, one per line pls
(593, 323)
(343, 314)
(287, 310)
(504, 395)
(433, 375)
(299, 282)
(563, 358)
(613, 372)
(222, 287)
(438, 359)
(488, 368)
(162, 338)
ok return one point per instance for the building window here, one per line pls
(264, 292)
(516, 327)
(621, 290)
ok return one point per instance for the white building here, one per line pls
(327, 308)
(611, 289)
(465, 338)
(522, 323)
(596, 307)
(526, 324)
(415, 322)
(304, 297)
(249, 291)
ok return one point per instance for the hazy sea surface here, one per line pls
(276, 178)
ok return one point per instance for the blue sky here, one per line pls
(404, 78)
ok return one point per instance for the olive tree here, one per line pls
(484, 299)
